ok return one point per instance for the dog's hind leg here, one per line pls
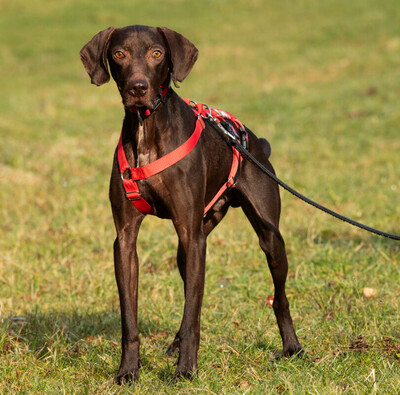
(262, 208)
(272, 244)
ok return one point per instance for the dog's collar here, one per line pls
(162, 97)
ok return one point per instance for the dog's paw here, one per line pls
(183, 373)
(127, 376)
(293, 350)
(186, 368)
(288, 352)
(124, 378)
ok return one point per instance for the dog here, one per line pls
(143, 61)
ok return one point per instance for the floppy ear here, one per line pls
(183, 54)
(94, 57)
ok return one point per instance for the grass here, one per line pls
(320, 80)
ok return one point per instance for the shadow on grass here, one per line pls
(67, 328)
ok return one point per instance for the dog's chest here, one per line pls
(143, 154)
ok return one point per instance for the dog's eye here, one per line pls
(156, 54)
(119, 54)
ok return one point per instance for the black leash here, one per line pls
(246, 154)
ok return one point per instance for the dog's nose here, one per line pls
(138, 88)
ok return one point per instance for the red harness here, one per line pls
(140, 173)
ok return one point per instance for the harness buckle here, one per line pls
(231, 183)
(136, 195)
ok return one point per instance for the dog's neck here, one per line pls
(156, 135)
(142, 139)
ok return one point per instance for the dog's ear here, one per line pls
(183, 54)
(94, 56)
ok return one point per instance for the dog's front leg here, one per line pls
(192, 266)
(126, 272)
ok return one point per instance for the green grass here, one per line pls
(321, 81)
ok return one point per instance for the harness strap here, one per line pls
(140, 173)
(132, 193)
(236, 162)
(205, 111)
(221, 117)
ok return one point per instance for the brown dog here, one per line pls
(157, 121)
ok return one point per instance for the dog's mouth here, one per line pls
(130, 102)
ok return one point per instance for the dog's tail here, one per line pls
(266, 146)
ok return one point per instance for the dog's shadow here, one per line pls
(69, 333)
(74, 336)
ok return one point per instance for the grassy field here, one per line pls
(320, 80)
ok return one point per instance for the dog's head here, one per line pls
(140, 59)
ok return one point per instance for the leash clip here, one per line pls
(215, 120)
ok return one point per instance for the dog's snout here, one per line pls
(138, 87)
